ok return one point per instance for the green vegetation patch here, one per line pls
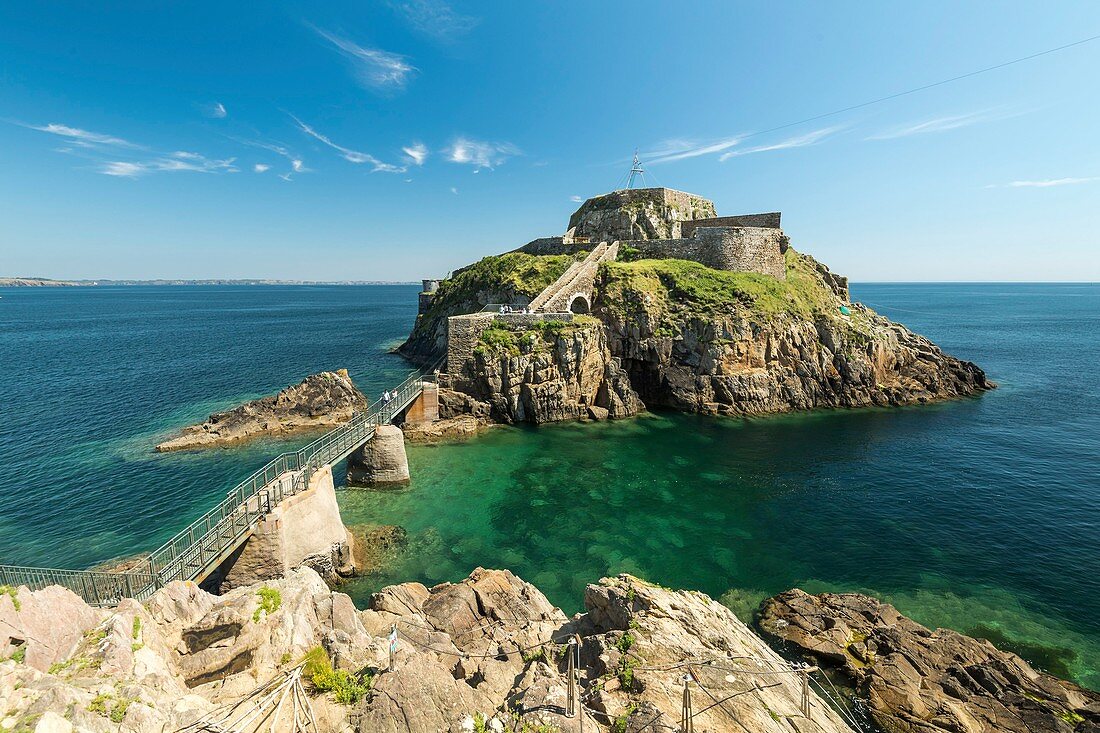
(346, 688)
(706, 290)
(270, 600)
(13, 592)
(110, 707)
(498, 337)
(501, 336)
(513, 273)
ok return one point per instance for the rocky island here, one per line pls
(649, 298)
(322, 400)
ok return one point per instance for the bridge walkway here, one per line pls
(195, 551)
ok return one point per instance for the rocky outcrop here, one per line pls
(491, 653)
(162, 665)
(443, 431)
(640, 213)
(543, 375)
(680, 335)
(917, 680)
(493, 649)
(322, 400)
(739, 365)
(381, 461)
(488, 653)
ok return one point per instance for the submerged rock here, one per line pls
(919, 680)
(321, 400)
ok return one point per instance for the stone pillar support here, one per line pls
(381, 461)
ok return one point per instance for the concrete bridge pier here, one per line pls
(303, 529)
(382, 461)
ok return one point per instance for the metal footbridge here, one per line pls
(194, 552)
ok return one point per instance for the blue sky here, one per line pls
(395, 140)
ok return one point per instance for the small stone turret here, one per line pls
(427, 294)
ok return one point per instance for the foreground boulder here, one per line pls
(321, 400)
(493, 652)
(918, 680)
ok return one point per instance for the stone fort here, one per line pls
(662, 223)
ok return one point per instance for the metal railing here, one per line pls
(206, 542)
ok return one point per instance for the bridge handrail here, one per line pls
(244, 504)
(95, 586)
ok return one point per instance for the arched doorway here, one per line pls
(579, 304)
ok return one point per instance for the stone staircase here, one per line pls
(577, 281)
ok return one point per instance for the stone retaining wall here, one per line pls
(737, 249)
(768, 221)
(463, 333)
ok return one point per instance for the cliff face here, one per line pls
(558, 372)
(677, 334)
(699, 340)
(326, 399)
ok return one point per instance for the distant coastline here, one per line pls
(45, 282)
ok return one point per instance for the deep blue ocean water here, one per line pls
(981, 515)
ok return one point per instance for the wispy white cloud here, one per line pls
(118, 157)
(434, 18)
(1045, 183)
(122, 169)
(216, 110)
(799, 141)
(671, 150)
(417, 153)
(178, 162)
(375, 68)
(936, 124)
(576, 199)
(352, 156)
(83, 137)
(480, 154)
(261, 167)
(454, 190)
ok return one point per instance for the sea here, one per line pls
(981, 515)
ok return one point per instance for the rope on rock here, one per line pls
(262, 710)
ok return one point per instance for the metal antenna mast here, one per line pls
(636, 171)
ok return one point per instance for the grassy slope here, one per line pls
(514, 273)
(705, 291)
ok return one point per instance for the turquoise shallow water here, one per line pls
(980, 515)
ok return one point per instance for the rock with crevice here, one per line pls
(918, 680)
